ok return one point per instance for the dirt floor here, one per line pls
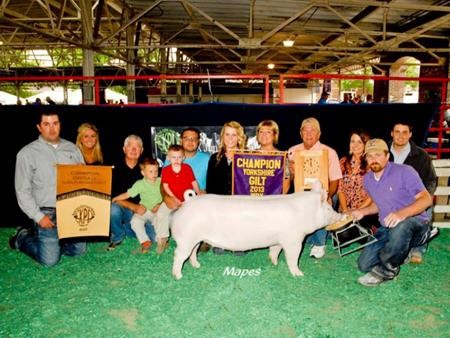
(127, 294)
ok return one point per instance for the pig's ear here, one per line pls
(316, 186)
(324, 196)
(189, 194)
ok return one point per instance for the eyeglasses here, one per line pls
(191, 139)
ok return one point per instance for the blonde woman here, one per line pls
(267, 133)
(219, 175)
(89, 143)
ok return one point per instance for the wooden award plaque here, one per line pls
(310, 166)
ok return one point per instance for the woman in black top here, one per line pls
(218, 178)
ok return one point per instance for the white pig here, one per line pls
(242, 223)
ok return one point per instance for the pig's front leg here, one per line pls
(292, 252)
(193, 257)
(274, 252)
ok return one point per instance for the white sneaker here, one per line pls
(317, 251)
(370, 279)
(433, 232)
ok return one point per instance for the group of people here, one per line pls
(347, 99)
(37, 101)
(363, 182)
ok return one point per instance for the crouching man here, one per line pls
(400, 199)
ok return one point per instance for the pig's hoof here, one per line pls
(274, 260)
(297, 273)
(195, 265)
(177, 276)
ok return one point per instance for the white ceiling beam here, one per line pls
(391, 43)
(212, 20)
(394, 5)
(286, 23)
(351, 24)
(437, 57)
(133, 20)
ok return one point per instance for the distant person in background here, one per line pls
(404, 151)
(19, 102)
(35, 184)
(89, 143)
(369, 98)
(347, 99)
(267, 133)
(219, 174)
(49, 100)
(37, 102)
(125, 173)
(352, 98)
(323, 98)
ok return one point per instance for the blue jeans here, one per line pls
(318, 238)
(121, 227)
(393, 244)
(44, 246)
(423, 248)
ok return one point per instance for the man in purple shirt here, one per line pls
(400, 199)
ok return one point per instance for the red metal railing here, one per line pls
(441, 130)
(96, 80)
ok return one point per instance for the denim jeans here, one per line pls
(121, 226)
(318, 238)
(393, 244)
(423, 248)
(43, 244)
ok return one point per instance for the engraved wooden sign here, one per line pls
(83, 200)
(310, 166)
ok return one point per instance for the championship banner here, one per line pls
(83, 200)
(258, 173)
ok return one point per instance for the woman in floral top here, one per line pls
(351, 191)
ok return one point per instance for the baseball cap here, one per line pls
(312, 121)
(375, 144)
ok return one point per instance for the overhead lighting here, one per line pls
(288, 42)
(271, 66)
